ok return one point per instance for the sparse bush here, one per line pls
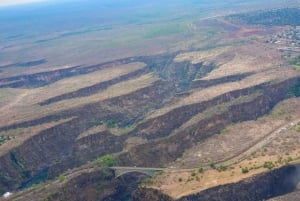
(188, 180)
(222, 168)
(245, 170)
(61, 178)
(148, 181)
(193, 174)
(269, 165)
(288, 118)
(212, 165)
(197, 178)
(280, 160)
(280, 112)
(297, 128)
(180, 179)
(201, 170)
(225, 130)
(4, 139)
(289, 159)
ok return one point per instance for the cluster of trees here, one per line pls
(106, 161)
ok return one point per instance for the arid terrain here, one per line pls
(216, 104)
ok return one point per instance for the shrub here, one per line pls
(148, 181)
(180, 179)
(188, 180)
(193, 174)
(212, 165)
(225, 130)
(289, 159)
(201, 170)
(297, 128)
(222, 168)
(269, 165)
(112, 123)
(106, 161)
(245, 170)
(61, 178)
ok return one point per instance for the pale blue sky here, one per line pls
(17, 2)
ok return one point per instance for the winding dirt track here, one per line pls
(249, 151)
(265, 141)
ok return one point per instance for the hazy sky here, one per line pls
(16, 2)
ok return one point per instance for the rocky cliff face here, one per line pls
(261, 187)
(172, 145)
(86, 184)
(54, 150)
(98, 186)
(57, 149)
(150, 194)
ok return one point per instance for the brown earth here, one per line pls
(169, 110)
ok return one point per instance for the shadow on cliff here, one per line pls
(261, 187)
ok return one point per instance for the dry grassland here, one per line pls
(24, 106)
(281, 150)
(206, 94)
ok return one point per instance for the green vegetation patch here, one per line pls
(4, 139)
(245, 170)
(212, 165)
(106, 161)
(61, 178)
(269, 165)
(278, 113)
(296, 62)
(225, 130)
(146, 182)
(297, 128)
(167, 29)
(201, 170)
(222, 168)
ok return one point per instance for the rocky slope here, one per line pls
(146, 111)
(260, 187)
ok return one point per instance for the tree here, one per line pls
(245, 170)
(106, 161)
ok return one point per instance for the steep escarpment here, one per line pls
(89, 183)
(59, 144)
(145, 110)
(98, 185)
(173, 141)
(180, 109)
(200, 83)
(38, 79)
(150, 194)
(93, 89)
(260, 187)
(57, 149)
